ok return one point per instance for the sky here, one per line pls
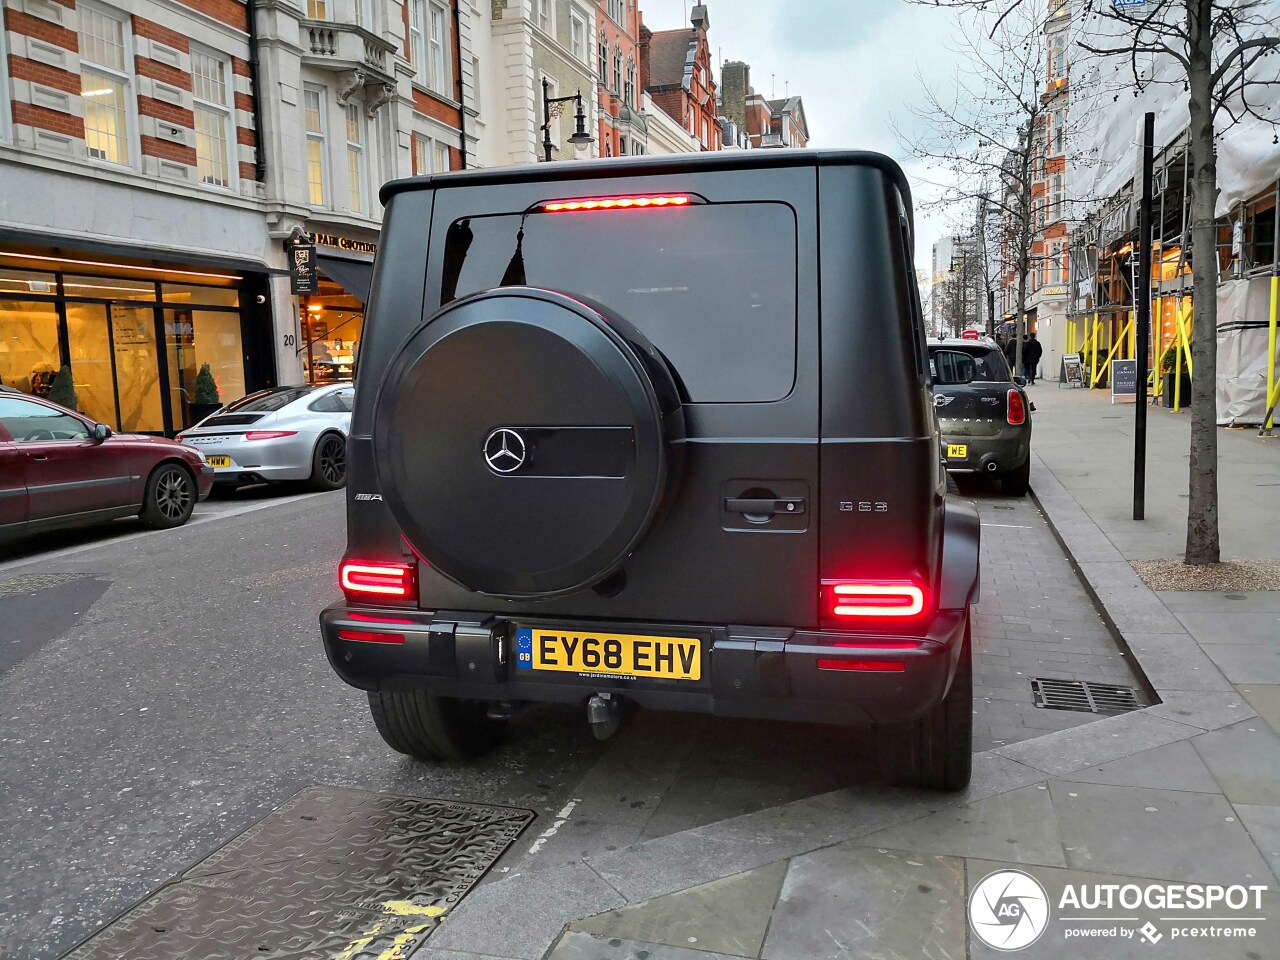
(857, 63)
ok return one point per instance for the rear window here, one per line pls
(989, 365)
(712, 286)
(267, 401)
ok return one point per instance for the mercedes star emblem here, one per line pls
(504, 451)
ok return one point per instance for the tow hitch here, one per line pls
(604, 713)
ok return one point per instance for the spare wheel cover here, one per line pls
(521, 442)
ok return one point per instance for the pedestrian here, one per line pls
(1011, 351)
(1031, 352)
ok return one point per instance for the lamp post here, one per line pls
(551, 108)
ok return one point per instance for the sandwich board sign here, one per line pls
(1124, 379)
(1072, 370)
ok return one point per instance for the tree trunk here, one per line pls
(1026, 236)
(1202, 505)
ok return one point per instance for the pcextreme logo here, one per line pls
(1008, 910)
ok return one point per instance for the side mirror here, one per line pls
(951, 367)
(1020, 381)
(99, 432)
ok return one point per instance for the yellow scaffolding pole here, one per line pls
(1093, 362)
(1271, 349)
(1182, 349)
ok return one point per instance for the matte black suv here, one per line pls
(655, 430)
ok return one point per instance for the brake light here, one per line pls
(1017, 408)
(865, 666)
(362, 580)
(616, 203)
(845, 598)
(269, 434)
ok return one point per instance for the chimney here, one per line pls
(735, 81)
(642, 49)
(700, 18)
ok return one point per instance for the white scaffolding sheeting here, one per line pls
(1243, 310)
(1105, 113)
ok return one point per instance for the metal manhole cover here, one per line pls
(1084, 696)
(35, 582)
(332, 873)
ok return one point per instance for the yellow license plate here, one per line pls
(219, 461)
(957, 451)
(610, 654)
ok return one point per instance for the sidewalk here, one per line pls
(1185, 791)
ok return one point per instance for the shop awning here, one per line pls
(353, 276)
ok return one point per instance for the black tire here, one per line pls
(329, 463)
(935, 752)
(1017, 482)
(431, 728)
(169, 498)
(952, 486)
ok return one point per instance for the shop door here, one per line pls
(116, 365)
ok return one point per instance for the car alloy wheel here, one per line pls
(333, 460)
(173, 494)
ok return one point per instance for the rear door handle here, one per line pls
(37, 456)
(785, 505)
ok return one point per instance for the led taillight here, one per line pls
(364, 580)
(1017, 408)
(584, 204)
(847, 598)
(269, 434)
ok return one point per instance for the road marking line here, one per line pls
(1011, 526)
(561, 819)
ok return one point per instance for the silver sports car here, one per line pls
(286, 433)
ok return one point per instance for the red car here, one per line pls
(58, 468)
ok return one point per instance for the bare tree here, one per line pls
(984, 129)
(1217, 46)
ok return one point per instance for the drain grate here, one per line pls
(35, 582)
(1083, 696)
(332, 873)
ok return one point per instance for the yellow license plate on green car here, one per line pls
(219, 461)
(957, 451)
(609, 654)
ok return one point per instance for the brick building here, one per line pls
(675, 70)
(766, 123)
(623, 127)
(152, 183)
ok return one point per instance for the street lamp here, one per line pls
(551, 108)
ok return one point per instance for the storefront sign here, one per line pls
(1054, 291)
(1124, 379)
(302, 268)
(343, 243)
(1072, 369)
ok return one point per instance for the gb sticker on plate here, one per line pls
(524, 649)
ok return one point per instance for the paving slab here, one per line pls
(1056, 943)
(519, 916)
(1017, 826)
(1245, 760)
(1119, 830)
(727, 916)
(1246, 663)
(1265, 698)
(1065, 751)
(585, 946)
(1207, 710)
(1219, 626)
(849, 901)
(1175, 766)
(1175, 661)
(1263, 824)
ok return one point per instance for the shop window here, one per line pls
(203, 296)
(138, 388)
(105, 81)
(14, 282)
(212, 101)
(108, 288)
(196, 337)
(29, 352)
(333, 325)
(313, 107)
(355, 158)
(89, 340)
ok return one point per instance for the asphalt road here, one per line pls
(159, 692)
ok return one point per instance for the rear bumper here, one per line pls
(204, 482)
(766, 673)
(1007, 449)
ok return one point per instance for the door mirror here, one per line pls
(952, 367)
(1020, 381)
(99, 432)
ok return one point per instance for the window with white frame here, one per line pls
(211, 92)
(617, 71)
(543, 14)
(417, 46)
(6, 131)
(355, 158)
(106, 77)
(618, 12)
(577, 36)
(1057, 198)
(439, 156)
(632, 100)
(317, 9)
(313, 108)
(604, 62)
(364, 14)
(429, 44)
(1058, 55)
(1059, 131)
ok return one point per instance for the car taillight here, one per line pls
(852, 599)
(269, 434)
(1017, 408)
(584, 204)
(364, 636)
(365, 580)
